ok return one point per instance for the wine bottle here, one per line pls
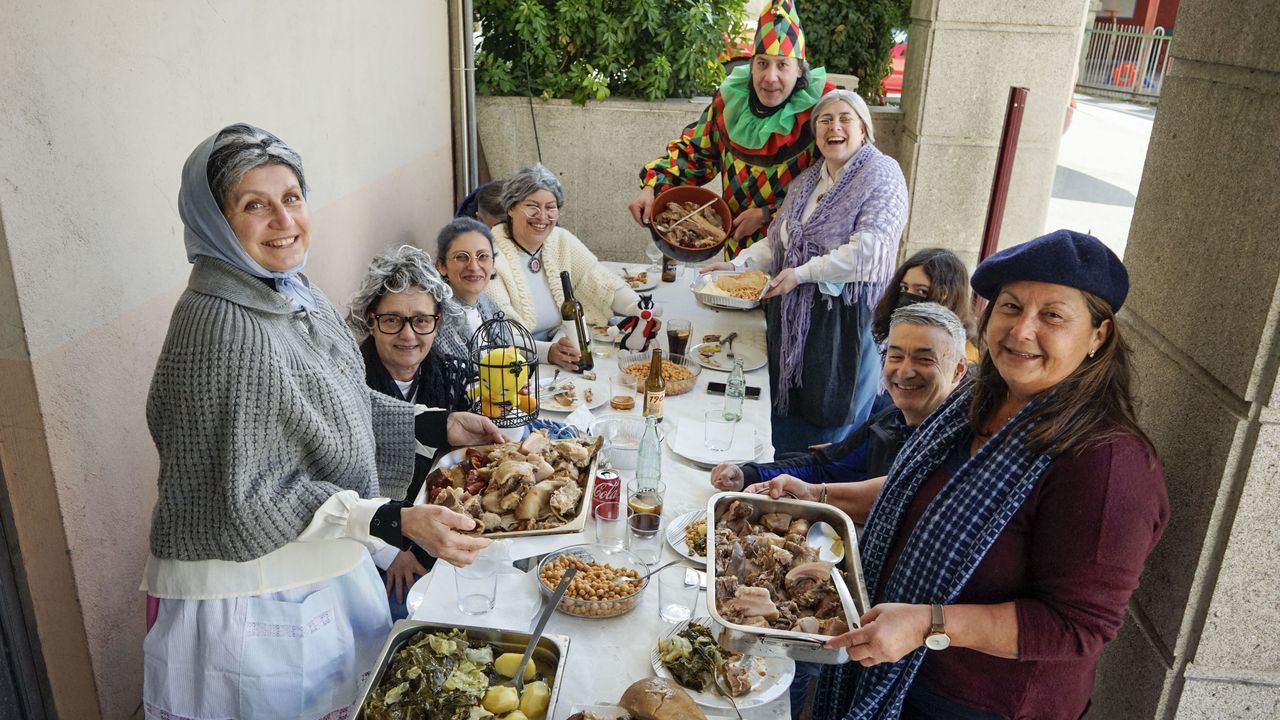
(575, 324)
(655, 387)
(735, 392)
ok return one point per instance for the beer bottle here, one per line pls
(575, 324)
(668, 269)
(655, 387)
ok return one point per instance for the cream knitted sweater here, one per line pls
(260, 414)
(593, 285)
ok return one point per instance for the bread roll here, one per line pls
(659, 699)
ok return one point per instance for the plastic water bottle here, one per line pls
(649, 461)
(735, 392)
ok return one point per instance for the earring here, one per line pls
(1092, 353)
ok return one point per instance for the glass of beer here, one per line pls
(646, 499)
(622, 396)
(677, 338)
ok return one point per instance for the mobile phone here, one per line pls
(717, 388)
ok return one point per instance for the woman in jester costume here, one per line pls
(755, 133)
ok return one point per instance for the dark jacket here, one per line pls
(867, 452)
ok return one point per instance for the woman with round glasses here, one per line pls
(464, 257)
(532, 252)
(831, 250)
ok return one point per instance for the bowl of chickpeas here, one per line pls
(681, 375)
(595, 592)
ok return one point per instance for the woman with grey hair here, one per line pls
(465, 256)
(532, 250)
(273, 454)
(831, 252)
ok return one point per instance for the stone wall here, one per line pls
(597, 150)
(1204, 316)
(100, 103)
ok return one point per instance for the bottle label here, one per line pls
(571, 332)
(653, 403)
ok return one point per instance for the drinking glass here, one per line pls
(477, 586)
(677, 598)
(678, 338)
(611, 524)
(646, 497)
(644, 536)
(654, 253)
(718, 432)
(622, 392)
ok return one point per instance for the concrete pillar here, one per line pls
(1204, 319)
(962, 57)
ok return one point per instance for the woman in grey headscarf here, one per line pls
(273, 458)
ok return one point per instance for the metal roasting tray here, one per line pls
(800, 646)
(552, 651)
(576, 524)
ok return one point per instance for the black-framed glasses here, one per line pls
(392, 323)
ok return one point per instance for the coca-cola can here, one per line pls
(608, 492)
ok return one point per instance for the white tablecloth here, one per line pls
(605, 656)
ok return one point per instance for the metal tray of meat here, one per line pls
(752, 640)
(552, 651)
(576, 524)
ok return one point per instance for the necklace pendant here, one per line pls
(535, 264)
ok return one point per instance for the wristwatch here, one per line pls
(937, 637)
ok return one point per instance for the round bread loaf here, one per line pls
(657, 698)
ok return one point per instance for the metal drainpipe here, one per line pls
(462, 98)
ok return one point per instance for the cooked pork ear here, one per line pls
(776, 522)
(541, 468)
(512, 473)
(799, 526)
(536, 503)
(809, 583)
(808, 572)
(573, 451)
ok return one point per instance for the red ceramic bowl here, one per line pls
(700, 196)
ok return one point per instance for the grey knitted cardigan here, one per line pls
(260, 413)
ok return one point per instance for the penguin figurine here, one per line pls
(637, 330)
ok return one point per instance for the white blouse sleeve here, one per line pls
(853, 261)
(759, 256)
(345, 515)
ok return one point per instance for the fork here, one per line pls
(729, 342)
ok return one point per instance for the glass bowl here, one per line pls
(674, 387)
(581, 600)
(621, 435)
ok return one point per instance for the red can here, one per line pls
(608, 492)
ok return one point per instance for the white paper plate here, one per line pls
(747, 445)
(675, 536)
(752, 358)
(599, 395)
(778, 673)
(651, 278)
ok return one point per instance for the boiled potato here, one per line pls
(514, 715)
(507, 663)
(500, 699)
(534, 700)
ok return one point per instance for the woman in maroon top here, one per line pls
(1002, 549)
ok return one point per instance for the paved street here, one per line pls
(1099, 169)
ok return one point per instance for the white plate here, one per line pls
(651, 278)
(778, 673)
(599, 395)
(675, 535)
(752, 358)
(747, 445)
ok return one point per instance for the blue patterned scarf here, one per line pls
(867, 205)
(951, 538)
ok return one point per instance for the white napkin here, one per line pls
(580, 418)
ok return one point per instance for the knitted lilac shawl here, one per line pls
(866, 206)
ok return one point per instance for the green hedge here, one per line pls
(591, 49)
(854, 37)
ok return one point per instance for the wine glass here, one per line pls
(654, 253)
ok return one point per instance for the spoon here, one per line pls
(826, 541)
(550, 607)
(846, 598)
(619, 579)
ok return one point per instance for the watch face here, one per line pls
(940, 641)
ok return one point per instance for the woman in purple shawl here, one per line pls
(831, 251)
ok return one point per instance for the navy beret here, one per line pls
(1063, 257)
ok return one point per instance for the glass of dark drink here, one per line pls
(678, 338)
(646, 499)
